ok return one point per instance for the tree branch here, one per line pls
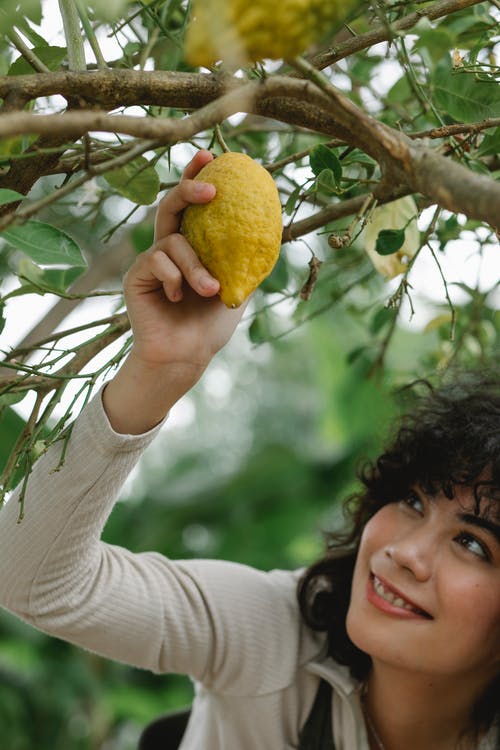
(112, 88)
(457, 128)
(404, 163)
(383, 34)
(85, 354)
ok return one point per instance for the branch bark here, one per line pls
(404, 163)
(384, 33)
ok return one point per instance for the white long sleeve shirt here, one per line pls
(235, 630)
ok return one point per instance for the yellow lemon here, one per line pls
(237, 235)
(239, 31)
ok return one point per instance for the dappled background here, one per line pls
(253, 465)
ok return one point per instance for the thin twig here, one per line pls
(447, 294)
(58, 335)
(72, 369)
(220, 139)
(22, 445)
(457, 128)
(25, 213)
(382, 34)
(89, 31)
(26, 52)
(298, 155)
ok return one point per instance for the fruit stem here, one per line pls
(220, 140)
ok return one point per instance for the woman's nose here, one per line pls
(414, 551)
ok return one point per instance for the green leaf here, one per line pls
(29, 32)
(491, 144)
(138, 181)
(33, 10)
(45, 244)
(16, 12)
(7, 399)
(326, 183)
(12, 145)
(277, 279)
(259, 330)
(437, 41)
(9, 196)
(323, 158)
(463, 96)
(356, 156)
(389, 241)
(11, 425)
(55, 280)
(401, 92)
(109, 10)
(292, 200)
(469, 24)
(355, 354)
(142, 237)
(448, 229)
(52, 57)
(381, 318)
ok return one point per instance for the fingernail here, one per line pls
(204, 187)
(208, 283)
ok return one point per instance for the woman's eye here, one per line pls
(473, 545)
(413, 501)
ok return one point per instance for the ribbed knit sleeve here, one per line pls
(48, 560)
(229, 626)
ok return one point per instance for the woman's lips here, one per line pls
(388, 599)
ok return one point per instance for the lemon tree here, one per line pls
(373, 128)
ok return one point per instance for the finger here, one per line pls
(152, 271)
(189, 265)
(167, 273)
(169, 211)
(198, 161)
(167, 217)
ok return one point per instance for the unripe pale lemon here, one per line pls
(239, 31)
(399, 214)
(237, 235)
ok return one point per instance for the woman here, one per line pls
(409, 593)
(406, 660)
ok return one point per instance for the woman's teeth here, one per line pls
(392, 598)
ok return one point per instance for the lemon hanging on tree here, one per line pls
(239, 32)
(237, 235)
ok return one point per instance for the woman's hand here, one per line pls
(177, 318)
(172, 300)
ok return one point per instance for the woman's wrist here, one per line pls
(142, 393)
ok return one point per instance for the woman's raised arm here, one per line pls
(56, 573)
(177, 318)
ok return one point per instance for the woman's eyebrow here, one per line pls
(483, 523)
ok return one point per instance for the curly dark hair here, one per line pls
(449, 435)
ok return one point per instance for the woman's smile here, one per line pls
(388, 599)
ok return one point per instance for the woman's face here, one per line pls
(426, 588)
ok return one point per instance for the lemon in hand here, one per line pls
(237, 235)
